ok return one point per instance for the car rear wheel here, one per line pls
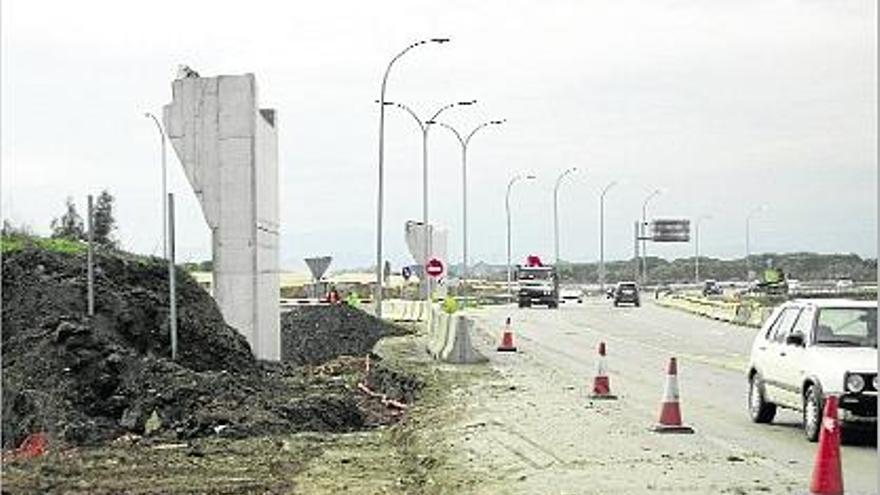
(812, 412)
(760, 410)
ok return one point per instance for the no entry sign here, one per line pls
(434, 267)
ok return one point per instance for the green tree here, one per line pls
(104, 224)
(70, 225)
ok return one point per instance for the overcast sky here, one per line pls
(725, 105)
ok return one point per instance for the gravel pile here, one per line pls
(315, 334)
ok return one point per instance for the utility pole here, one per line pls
(172, 285)
(90, 270)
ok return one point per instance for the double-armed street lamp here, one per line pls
(464, 140)
(556, 211)
(697, 246)
(381, 186)
(602, 234)
(510, 184)
(425, 126)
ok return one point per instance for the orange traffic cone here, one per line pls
(670, 414)
(507, 339)
(601, 383)
(827, 474)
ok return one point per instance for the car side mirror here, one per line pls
(795, 339)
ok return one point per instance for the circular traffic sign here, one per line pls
(434, 267)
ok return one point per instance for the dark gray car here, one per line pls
(626, 292)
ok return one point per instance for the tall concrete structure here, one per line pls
(229, 150)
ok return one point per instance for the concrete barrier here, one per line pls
(449, 338)
(404, 310)
(746, 314)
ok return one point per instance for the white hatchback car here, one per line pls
(809, 349)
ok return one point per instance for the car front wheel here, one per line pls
(760, 410)
(812, 412)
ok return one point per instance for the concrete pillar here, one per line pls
(228, 147)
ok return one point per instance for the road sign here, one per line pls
(671, 230)
(318, 266)
(435, 267)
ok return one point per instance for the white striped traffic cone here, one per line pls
(670, 414)
(601, 383)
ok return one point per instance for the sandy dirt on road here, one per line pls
(531, 428)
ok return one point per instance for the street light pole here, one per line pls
(651, 196)
(425, 126)
(164, 186)
(748, 233)
(697, 247)
(556, 211)
(602, 235)
(381, 178)
(464, 141)
(507, 210)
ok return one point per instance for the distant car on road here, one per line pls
(712, 288)
(844, 284)
(571, 295)
(812, 348)
(626, 292)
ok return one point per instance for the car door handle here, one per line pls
(782, 353)
(762, 348)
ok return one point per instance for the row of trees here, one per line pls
(802, 266)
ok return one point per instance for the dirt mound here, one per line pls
(88, 380)
(314, 334)
(45, 292)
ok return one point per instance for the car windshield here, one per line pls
(847, 327)
(627, 287)
(535, 275)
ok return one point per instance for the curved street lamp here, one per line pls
(752, 213)
(507, 210)
(381, 178)
(602, 234)
(697, 246)
(556, 211)
(651, 196)
(164, 186)
(464, 141)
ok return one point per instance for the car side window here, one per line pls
(804, 323)
(773, 326)
(785, 323)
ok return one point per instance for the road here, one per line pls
(534, 429)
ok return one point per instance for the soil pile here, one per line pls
(85, 380)
(314, 334)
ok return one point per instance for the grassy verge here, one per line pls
(65, 246)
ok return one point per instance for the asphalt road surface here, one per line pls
(534, 429)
